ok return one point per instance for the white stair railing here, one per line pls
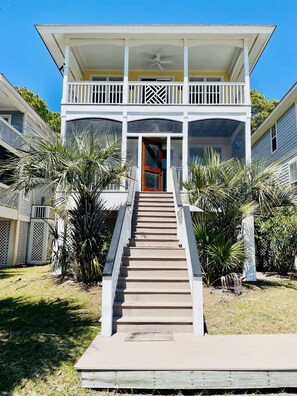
(120, 239)
(187, 239)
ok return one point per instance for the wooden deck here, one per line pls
(182, 361)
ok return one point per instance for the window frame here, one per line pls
(8, 116)
(291, 164)
(273, 138)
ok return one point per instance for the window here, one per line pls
(293, 173)
(6, 117)
(273, 135)
(26, 195)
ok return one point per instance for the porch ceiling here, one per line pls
(111, 57)
(56, 37)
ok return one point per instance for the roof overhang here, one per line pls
(287, 101)
(10, 99)
(56, 37)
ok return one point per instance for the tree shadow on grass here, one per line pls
(6, 273)
(36, 337)
(265, 284)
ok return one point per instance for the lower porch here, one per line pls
(183, 361)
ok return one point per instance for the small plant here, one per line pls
(276, 239)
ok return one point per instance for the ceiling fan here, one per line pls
(158, 61)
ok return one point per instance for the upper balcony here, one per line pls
(157, 93)
(192, 65)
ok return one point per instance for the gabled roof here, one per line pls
(11, 99)
(286, 102)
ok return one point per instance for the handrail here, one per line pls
(120, 237)
(187, 239)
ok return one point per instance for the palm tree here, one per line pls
(227, 191)
(73, 175)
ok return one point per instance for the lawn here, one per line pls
(45, 326)
(267, 307)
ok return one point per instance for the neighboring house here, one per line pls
(24, 233)
(275, 140)
(168, 92)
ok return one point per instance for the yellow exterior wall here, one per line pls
(135, 74)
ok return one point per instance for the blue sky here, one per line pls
(25, 61)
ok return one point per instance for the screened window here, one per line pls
(273, 135)
(155, 126)
(293, 173)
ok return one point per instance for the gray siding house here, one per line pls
(276, 139)
(24, 223)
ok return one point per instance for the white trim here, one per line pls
(290, 163)
(154, 135)
(205, 76)
(104, 75)
(163, 78)
(8, 116)
(276, 137)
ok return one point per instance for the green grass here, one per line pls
(45, 326)
(266, 307)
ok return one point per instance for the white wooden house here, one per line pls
(24, 218)
(168, 92)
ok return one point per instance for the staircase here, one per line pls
(153, 290)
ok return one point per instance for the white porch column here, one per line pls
(124, 145)
(126, 73)
(139, 167)
(247, 96)
(185, 148)
(248, 142)
(65, 74)
(249, 268)
(186, 73)
(168, 161)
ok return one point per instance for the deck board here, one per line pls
(188, 362)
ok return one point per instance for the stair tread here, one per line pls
(154, 267)
(157, 279)
(152, 319)
(160, 304)
(153, 291)
(142, 258)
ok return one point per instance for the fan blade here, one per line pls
(160, 66)
(158, 56)
(164, 62)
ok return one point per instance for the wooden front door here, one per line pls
(151, 165)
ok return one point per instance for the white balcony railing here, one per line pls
(157, 93)
(213, 93)
(10, 135)
(95, 93)
(8, 199)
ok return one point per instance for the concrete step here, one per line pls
(153, 219)
(144, 324)
(153, 295)
(149, 252)
(153, 242)
(150, 198)
(149, 309)
(153, 204)
(153, 273)
(155, 237)
(152, 224)
(154, 230)
(156, 210)
(144, 262)
(158, 283)
(153, 194)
